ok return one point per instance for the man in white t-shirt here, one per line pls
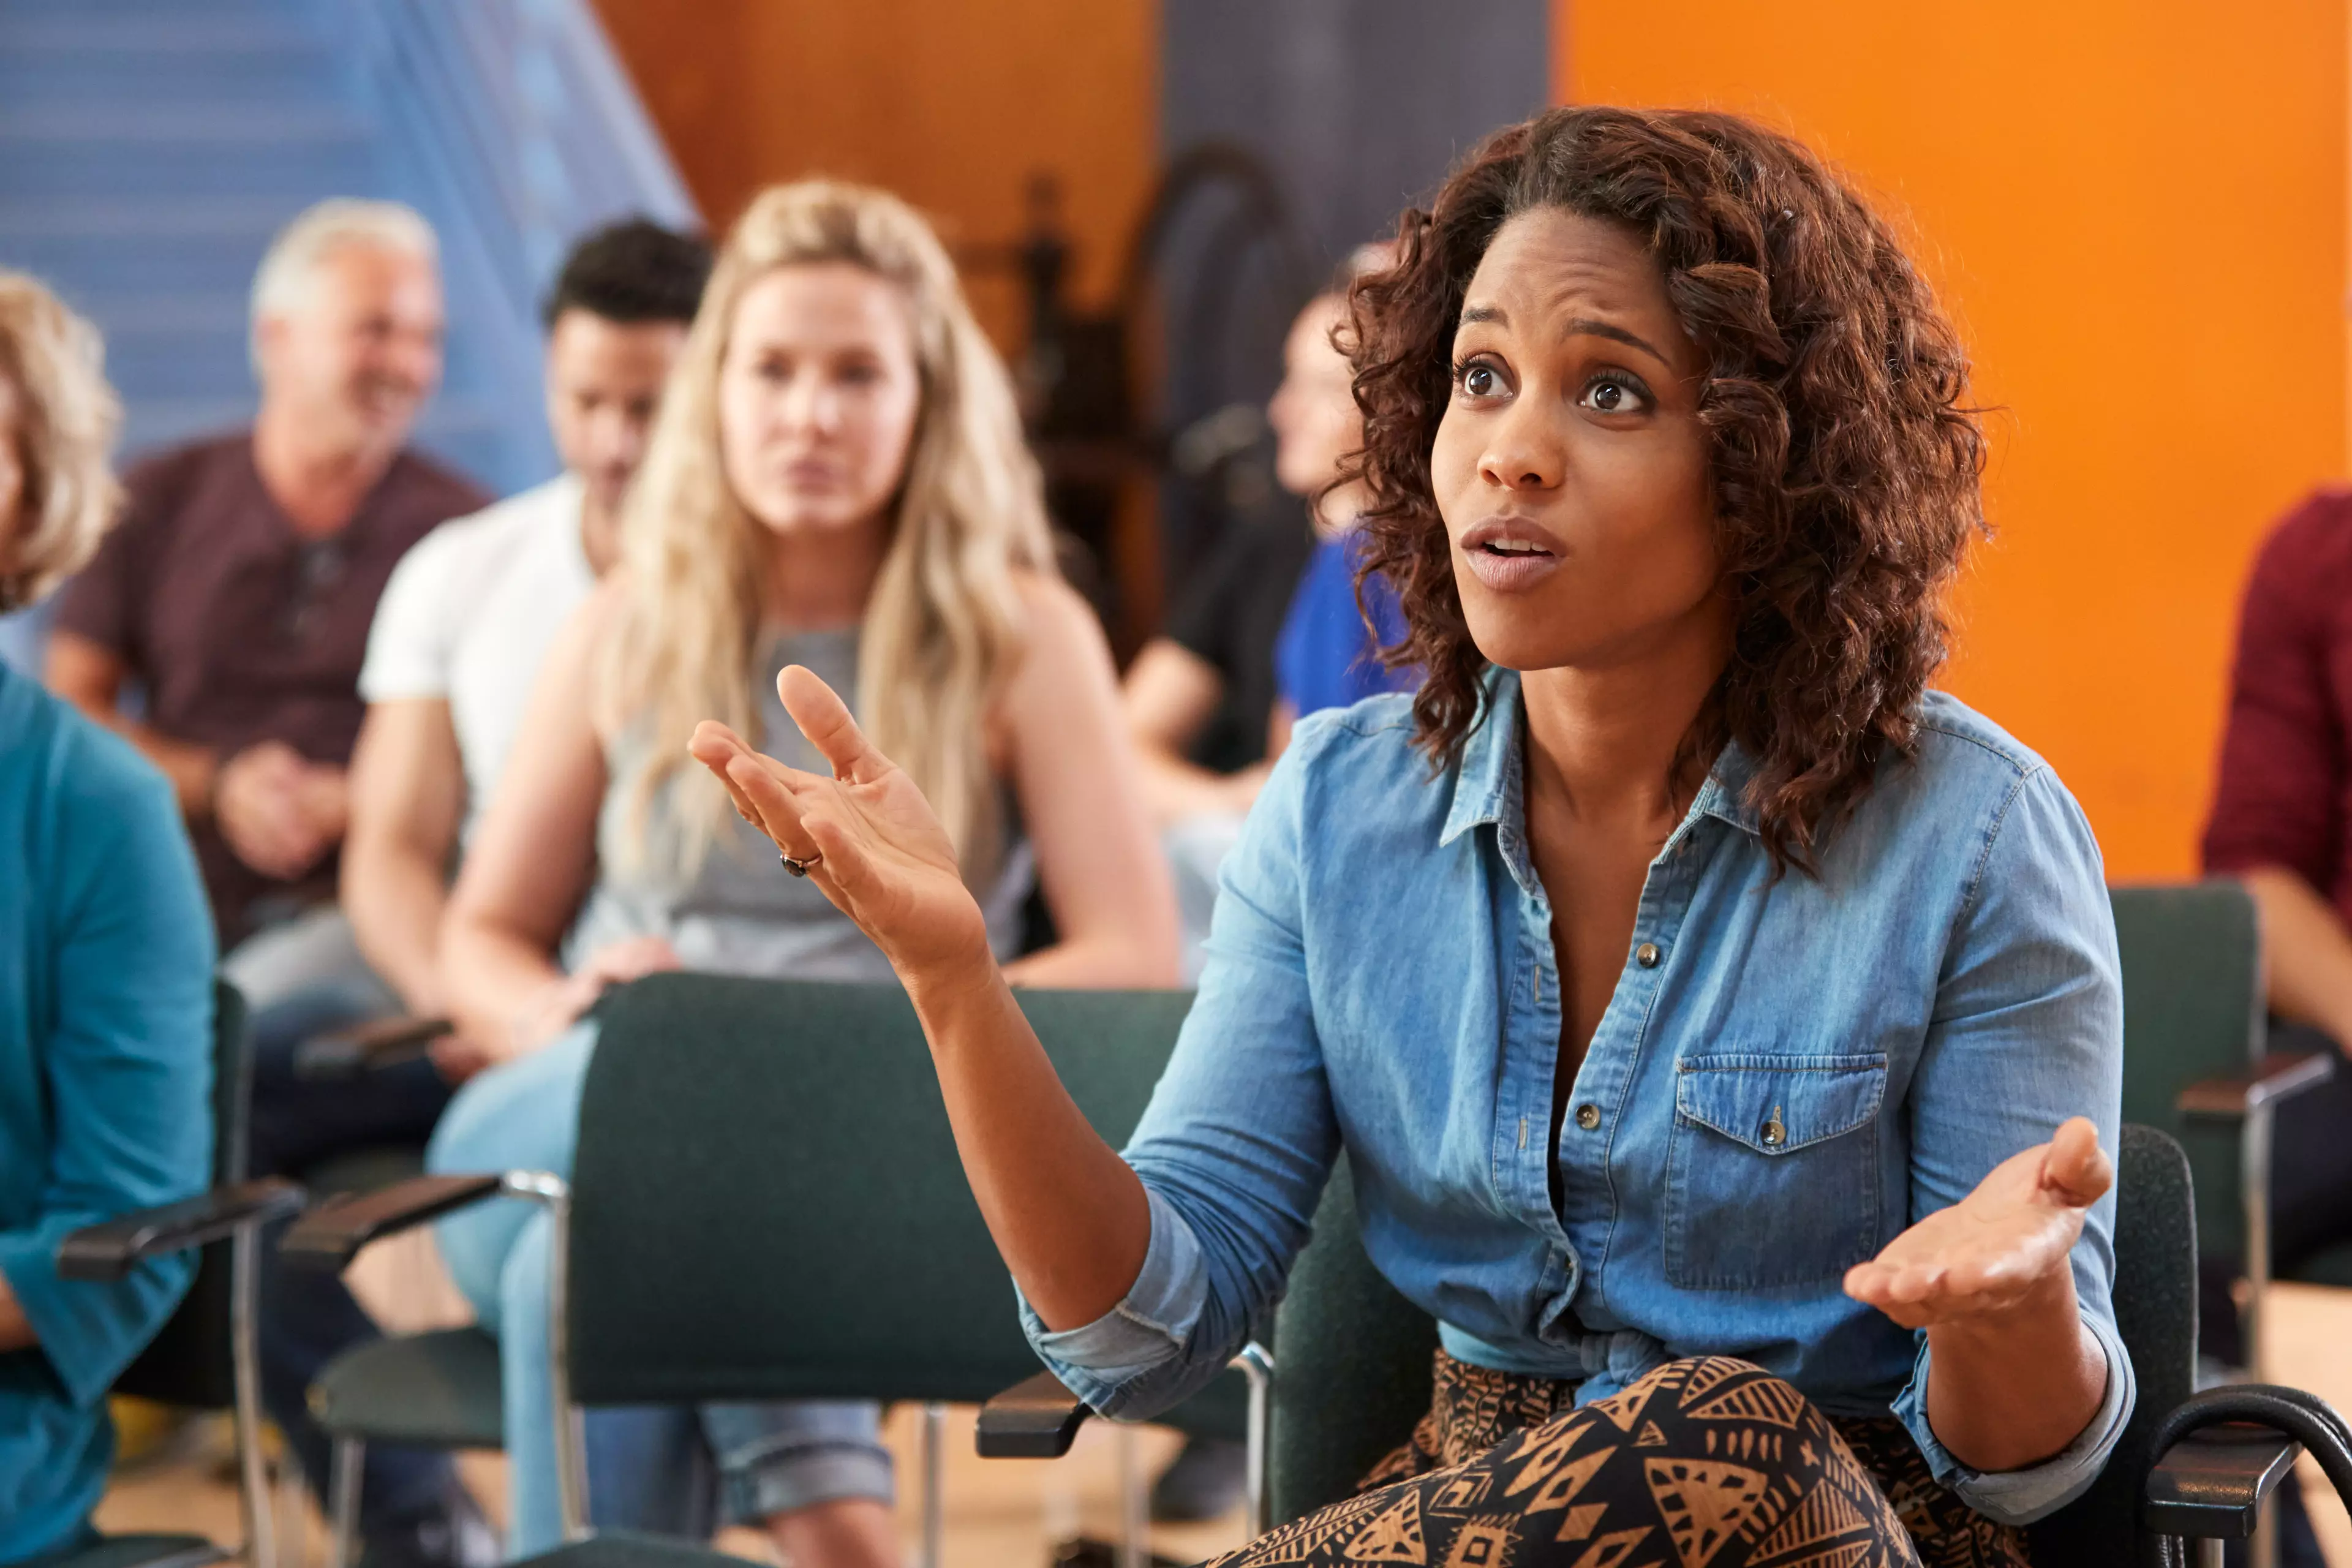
(451, 658)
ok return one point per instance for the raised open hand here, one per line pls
(869, 837)
(1999, 1247)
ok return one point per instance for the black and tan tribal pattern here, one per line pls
(1705, 1463)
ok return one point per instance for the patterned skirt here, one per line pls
(1724, 1467)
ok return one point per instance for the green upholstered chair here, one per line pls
(766, 1202)
(203, 1358)
(2196, 1064)
(1351, 1375)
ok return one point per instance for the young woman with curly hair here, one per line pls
(1722, 1027)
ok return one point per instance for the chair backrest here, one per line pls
(2156, 1312)
(188, 1361)
(767, 1202)
(1351, 1364)
(2192, 1009)
(1352, 1357)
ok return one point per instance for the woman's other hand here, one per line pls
(872, 845)
(2002, 1247)
(559, 1005)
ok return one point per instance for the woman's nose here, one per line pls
(1522, 452)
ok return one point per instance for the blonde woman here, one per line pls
(106, 957)
(836, 479)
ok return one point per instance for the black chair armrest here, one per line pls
(2215, 1490)
(331, 1235)
(363, 1047)
(2211, 1485)
(1037, 1418)
(109, 1251)
(2280, 1075)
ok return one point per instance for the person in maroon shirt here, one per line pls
(2281, 823)
(238, 590)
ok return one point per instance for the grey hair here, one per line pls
(319, 231)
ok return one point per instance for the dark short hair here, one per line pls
(632, 271)
(1845, 456)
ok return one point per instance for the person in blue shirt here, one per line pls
(1724, 1029)
(106, 963)
(1327, 653)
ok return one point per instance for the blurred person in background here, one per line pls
(2281, 823)
(1271, 628)
(237, 592)
(457, 642)
(106, 962)
(836, 479)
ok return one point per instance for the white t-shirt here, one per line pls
(467, 618)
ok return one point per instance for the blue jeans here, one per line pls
(674, 1471)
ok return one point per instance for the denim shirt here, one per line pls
(1791, 1071)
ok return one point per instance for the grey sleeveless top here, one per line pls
(742, 914)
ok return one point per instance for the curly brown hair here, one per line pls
(1845, 465)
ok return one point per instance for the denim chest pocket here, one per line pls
(1772, 1169)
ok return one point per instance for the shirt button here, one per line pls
(1647, 955)
(1774, 1133)
(1588, 1117)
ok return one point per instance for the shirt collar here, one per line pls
(1486, 785)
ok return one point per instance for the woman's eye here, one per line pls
(1608, 395)
(1479, 380)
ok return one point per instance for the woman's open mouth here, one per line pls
(1510, 555)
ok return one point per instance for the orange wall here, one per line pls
(950, 104)
(2137, 209)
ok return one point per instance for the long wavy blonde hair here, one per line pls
(943, 631)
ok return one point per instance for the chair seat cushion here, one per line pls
(439, 1390)
(2329, 1266)
(626, 1549)
(140, 1551)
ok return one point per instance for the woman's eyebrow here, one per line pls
(1587, 326)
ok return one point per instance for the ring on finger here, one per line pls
(799, 868)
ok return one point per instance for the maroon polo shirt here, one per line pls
(243, 630)
(2285, 793)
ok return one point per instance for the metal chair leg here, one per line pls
(933, 1447)
(2254, 1183)
(252, 1477)
(1131, 1507)
(554, 1194)
(1256, 1364)
(348, 1464)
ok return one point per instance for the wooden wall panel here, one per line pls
(951, 104)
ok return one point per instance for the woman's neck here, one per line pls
(1607, 741)
(820, 579)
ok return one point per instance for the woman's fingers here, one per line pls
(773, 810)
(2077, 1172)
(715, 746)
(825, 719)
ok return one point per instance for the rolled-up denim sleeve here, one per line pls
(2027, 1033)
(1237, 1141)
(2021, 1497)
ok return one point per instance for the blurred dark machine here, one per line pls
(1148, 415)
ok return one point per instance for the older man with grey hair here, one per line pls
(237, 594)
(238, 590)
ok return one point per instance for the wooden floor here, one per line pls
(1005, 1513)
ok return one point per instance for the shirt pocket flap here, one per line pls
(1778, 1104)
